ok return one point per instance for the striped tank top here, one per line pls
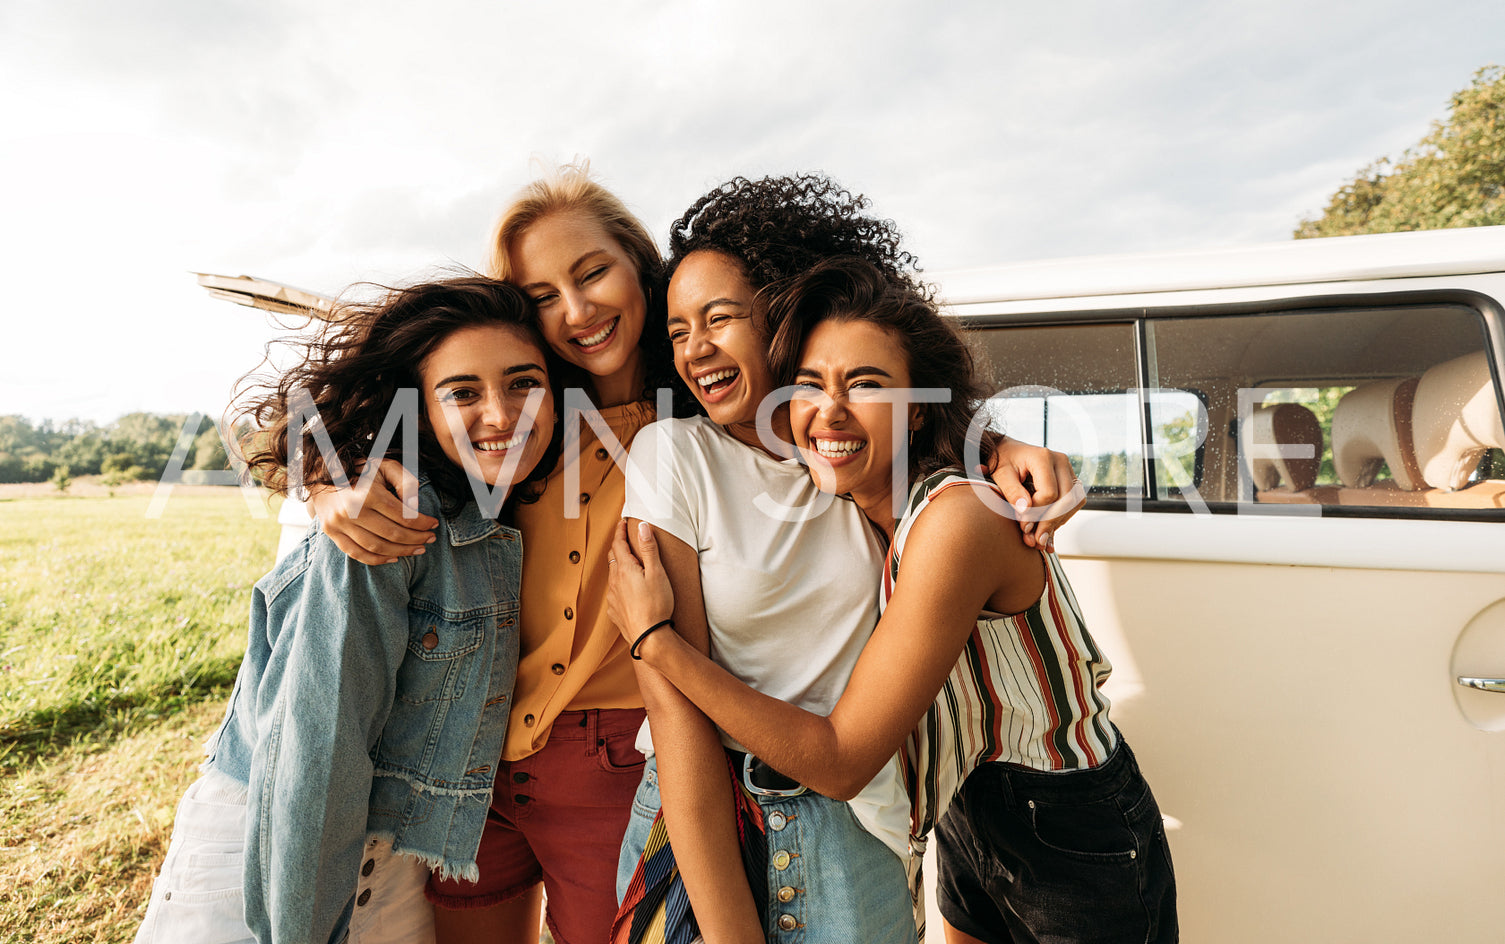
(1026, 690)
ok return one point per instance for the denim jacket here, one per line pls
(372, 701)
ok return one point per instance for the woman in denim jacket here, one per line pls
(372, 702)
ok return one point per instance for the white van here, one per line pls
(1293, 553)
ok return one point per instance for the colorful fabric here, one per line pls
(655, 908)
(1026, 690)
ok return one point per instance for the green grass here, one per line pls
(83, 830)
(109, 619)
(119, 636)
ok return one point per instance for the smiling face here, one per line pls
(849, 412)
(483, 376)
(590, 300)
(718, 350)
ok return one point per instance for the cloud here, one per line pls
(321, 144)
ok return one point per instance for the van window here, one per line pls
(1322, 401)
(1072, 388)
(1101, 432)
(1382, 410)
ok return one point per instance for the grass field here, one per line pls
(106, 614)
(119, 637)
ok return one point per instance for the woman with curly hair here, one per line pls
(1048, 830)
(774, 580)
(370, 707)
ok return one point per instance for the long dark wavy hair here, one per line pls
(354, 367)
(850, 289)
(778, 227)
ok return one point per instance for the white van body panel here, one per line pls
(1471, 547)
(1384, 257)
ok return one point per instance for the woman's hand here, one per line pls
(369, 522)
(1057, 495)
(639, 594)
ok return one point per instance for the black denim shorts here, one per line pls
(1079, 855)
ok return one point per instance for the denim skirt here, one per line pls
(829, 880)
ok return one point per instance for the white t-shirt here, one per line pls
(789, 575)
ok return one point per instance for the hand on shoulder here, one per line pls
(369, 522)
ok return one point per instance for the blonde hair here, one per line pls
(570, 188)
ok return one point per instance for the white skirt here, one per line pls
(198, 897)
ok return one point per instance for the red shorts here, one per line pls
(558, 817)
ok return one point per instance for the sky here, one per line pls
(321, 143)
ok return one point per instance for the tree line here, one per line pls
(136, 446)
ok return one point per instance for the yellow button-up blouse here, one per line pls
(573, 658)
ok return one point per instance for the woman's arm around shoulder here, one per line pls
(965, 530)
(959, 558)
(1053, 495)
(377, 520)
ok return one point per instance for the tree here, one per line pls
(209, 450)
(84, 451)
(146, 439)
(18, 436)
(24, 450)
(1452, 178)
(119, 467)
(36, 467)
(138, 445)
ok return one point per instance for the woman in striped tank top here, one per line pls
(1048, 831)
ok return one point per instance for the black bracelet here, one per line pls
(633, 651)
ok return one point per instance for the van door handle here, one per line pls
(1482, 684)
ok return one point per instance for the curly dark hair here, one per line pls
(355, 366)
(851, 289)
(778, 227)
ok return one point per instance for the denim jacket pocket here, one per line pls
(434, 668)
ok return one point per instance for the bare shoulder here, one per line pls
(969, 514)
(967, 532)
